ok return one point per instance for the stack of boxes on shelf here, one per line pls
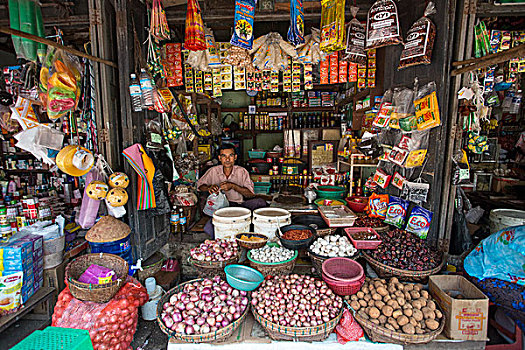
(24, 255)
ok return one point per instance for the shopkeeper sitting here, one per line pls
(233, 180)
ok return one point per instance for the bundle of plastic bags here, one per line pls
(26, 16)
(270, 51)
(310, 52)
(194, 34)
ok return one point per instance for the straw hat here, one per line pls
(75, 160)
(107, 229)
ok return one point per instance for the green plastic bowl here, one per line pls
(331, 192)
(243, 277)
(272, 244)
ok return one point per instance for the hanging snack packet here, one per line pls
(396, 212)
(382, 25)
(243, 24)
(332, 25)
(377, 205)
(416, 158)
(296, 30)
(194, 34)
(398, 180)
(427, 107)
(381, 178)
(355, 39)
(419, 222)
(420, 40)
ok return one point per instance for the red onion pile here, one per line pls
(217, 250)
(296, 301)
(203, 307)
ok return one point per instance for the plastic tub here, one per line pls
(357, 203)
(363, 244)
(243, 277)
(256, 154)
(53, 246)
(266, 220)
(261, 187)
(117, 247)
(503, 218)
(331, 192)
(227, 222)
(296, 244)
(55, 338)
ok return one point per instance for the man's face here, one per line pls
(227, 157)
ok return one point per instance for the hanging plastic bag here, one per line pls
(26, 16)
(214, 202)
(63, 86)
(355, 39)
(159, 24)
(383, 25)
(243, 24)
(296, 30)
(89, 208)
(420, 40)
(194, 35)
(427, 107)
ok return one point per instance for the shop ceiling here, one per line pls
(72, 17)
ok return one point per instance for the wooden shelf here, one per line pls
(279, 109)
(41, 295)
(30, 171)
(489, 10)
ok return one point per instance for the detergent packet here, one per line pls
(378, 204)
(419, 222)
(396, 212)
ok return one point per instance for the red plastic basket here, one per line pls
(342, 270)
(344, 288)
(364, 244)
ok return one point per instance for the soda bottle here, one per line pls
(146, 88)
(136, 93)
(174, 220)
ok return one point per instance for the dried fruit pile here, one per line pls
(403, 250)
(400, 307)
(366, 221)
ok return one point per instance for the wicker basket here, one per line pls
(217, 336)
(385, 271)
(274, 269)
(278, 332)
(148, 270)
(251, 245)
(209, 269)
(380, 334)
(99, 293)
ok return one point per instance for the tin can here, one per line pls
(276, 169)
(269, 160)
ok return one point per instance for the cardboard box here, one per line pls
(54, 277)
(466, 319)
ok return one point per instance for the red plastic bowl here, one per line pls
(343, 270)
(357, 203)
(344, 288)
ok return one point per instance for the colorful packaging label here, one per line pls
(396, 212)
(243, 24)
(419, 222)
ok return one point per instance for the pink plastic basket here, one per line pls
(368, 244)
(342, 269)
(344, 288)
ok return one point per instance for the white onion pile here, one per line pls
(333, 246)
(203, 307)
(296, 301)
(272, 254)
(217, 250)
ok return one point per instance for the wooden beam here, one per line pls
(48, 42)
(488, 60)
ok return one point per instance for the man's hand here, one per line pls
(226, 186)
(214, 189)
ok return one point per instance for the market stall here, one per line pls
(263, 174)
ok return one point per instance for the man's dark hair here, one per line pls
(226, 146)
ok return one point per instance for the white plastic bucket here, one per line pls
(227, 222)
(266, 220)
(149, 310)
(503, 218)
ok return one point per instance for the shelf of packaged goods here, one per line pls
(280, 131)
(357, 96)
(279, 109)
(29, 171)
(18, 154)
(491, 10)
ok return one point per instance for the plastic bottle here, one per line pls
(174, 220)
(136, 93)
(146, 88)
(182, 220)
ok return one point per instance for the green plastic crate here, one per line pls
(55, 338)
